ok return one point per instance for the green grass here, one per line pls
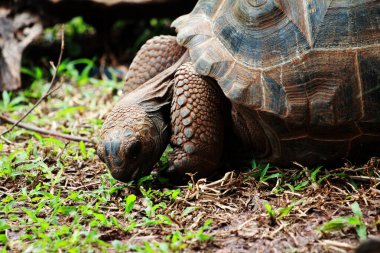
(48, 204)
(355, 220)
(278, 214)
(73, 28)
(56, 196)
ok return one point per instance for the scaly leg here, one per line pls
(197, 124)
(156, 55)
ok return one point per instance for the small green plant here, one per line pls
(73, 28)
(70, 69)
(304, 178)
(259, 172)
(129, 203)
(3, 227)
(271, 211)
(38, 85)
(355, 220)
(164, 160)
(280, 213)
(179, 241)
(298, 187)
(10, 103)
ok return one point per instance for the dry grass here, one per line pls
(57, 196)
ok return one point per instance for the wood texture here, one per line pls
(16, 32)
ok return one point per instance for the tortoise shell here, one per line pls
(309, 70)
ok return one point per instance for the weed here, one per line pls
(280, 213)
(129, 203)
(10, 103)
(355, 220)
(78, 70)
(259, 172)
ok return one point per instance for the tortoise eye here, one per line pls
(134, 149)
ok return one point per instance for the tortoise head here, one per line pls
(132, 139)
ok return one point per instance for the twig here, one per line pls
(375, 190)
(282, 226)
(337, 244)
(45, 131)
(51, 89)
(84, 186)
(5, 139)
(245, 223)
(365, 178)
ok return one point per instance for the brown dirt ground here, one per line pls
(234, 203)
(241, 223)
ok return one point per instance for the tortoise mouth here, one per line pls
(123, 162)
(124, 174)
(129, 171)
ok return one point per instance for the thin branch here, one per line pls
(365, 178)
(45, 131)
(51, 89)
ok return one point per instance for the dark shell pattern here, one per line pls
(309, 69)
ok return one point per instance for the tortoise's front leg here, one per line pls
(197, 124)
(156, 55)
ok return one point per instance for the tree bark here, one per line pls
(16, 32)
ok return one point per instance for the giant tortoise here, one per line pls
(273, 80)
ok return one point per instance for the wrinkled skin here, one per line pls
(136, 132)
(129, 136)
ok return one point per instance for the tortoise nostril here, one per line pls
(108, 152)
(107, 148)
(134, 149)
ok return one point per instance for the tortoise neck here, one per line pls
(154, 98)
(159, 89)
(155, 95)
